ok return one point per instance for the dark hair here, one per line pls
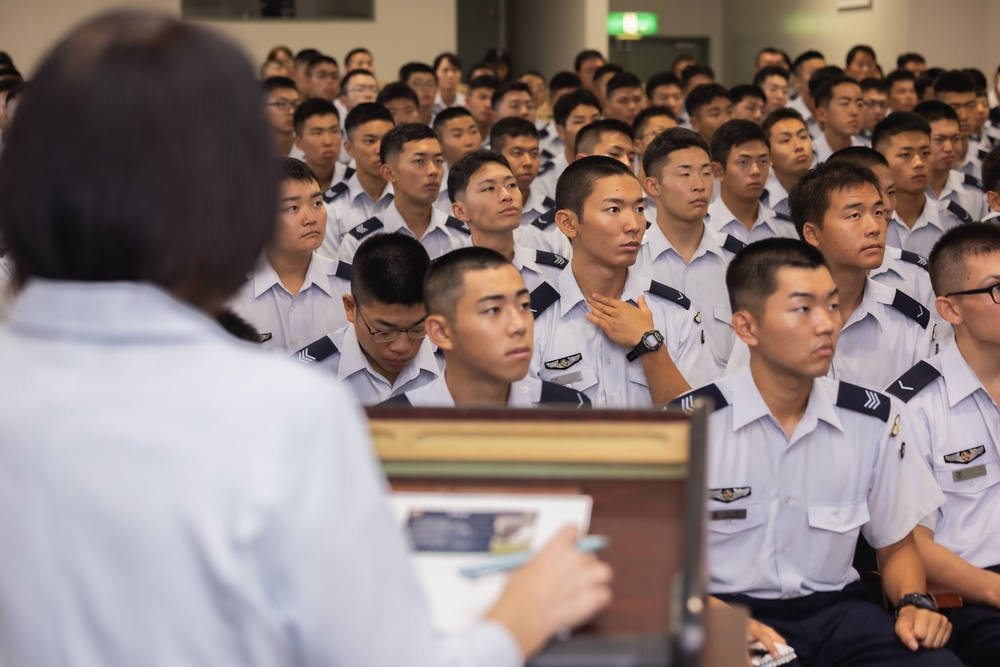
(590, 135)
(776, 51)
(977, 77)
(568, 103)
(821, 76)
(895, 123)
(365, 112)
(778, 115)
(510, 128)
(271, 84)
(823, 94)
(859, 156)
(947, 259)
(452, 59)
(344, 80)
(738, 93)
(305, 55)
(87, 204)
(507, 87)
(991, 171)
(905, 59)
(310, 109)
(872, 83)
(752, 276)
(954, 81)
(661, 79)
(399, 136)
(855, 50)
(899, 75)
(397, 90)
(925, 81)
(736, 132)
(691, 71)
(320, 60)
(607, 68)
(467, 165)
(561, 80)
(446, 115)
(576, 183)
(294, 169)
(496, 57)
(483, 81)
(444, 284)
(389, 269)
(765, 72)
(803, 57)
(622, 80)
(19, 89)
(703, 95)
(354, 52)
(658, 152)
(809, 198)
(5, 60)
(409, 69)
(585, 55)
(933, 110)
(481, 65)
(643, 117)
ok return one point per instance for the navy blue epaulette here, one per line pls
(399, 401)
(912, 381)
(343, 270)
(974, 182)
(542, 297)
(733, 244)
(545, 167)
(370, 225)
(912, 308)
(316, 351)
(686, 402)
(545, 219)
(959, 212)
(866, 401)
(914, 258)
(671, 294)
(334, 191)
(546, 154)
(983, 153)
(347, 174)
(548, 203)
(764, 194)
(995, 116)
(544, 132)
(557, 395)
(550, 259)
(455, 223)
(782, 216)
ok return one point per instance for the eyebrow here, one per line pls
(501, 297)
(500, 179)
(397, 327)
(810, 295)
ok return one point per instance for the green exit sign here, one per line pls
(632, 24)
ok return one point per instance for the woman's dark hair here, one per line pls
(160, 172)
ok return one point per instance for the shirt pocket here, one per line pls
(833, 537)
(581, 378)
(734, 541)
(974, 478)
(724, 315)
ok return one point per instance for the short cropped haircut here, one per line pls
(451, 58)
(691, 71)
(397, 90)
(294, 169)
(824, 93)
(585, 55)
(310, 109)
(661, 79)
(396, 138)
(954, 81)
(354, 73)
(445, 282)
(365, 112)
(860, 156)
(821, 76)
(409, 69)
(576, 183)
(802, 58)
(483, 81)
(752, 276)
(657, 154)
(320, 60)
(466, 167)
(305, 55)
(977, 76)
(510, 128)
(643, 117)
(87, 204)
(905, 59)
(872, 83)
(925, 81)
(354, 52)
(622, 80)
(810, 196)
(733, 133)
(273, 83)
(948, 257)
(933, 110)
(738, 93)
(855, 50)
(772, 70)
(389, 269)
(991, 171)
(446, 116)
(590, 135)
(567, 104)
(607, 68)
(562, 80)
(899, 75)
(507, 87)
(778, 115)
(897, 123)
(703, 95)
(774, 51)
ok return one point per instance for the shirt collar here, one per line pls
(570, 294)
(393, 221)
(749, 405)
(721, 217)
(929, 216)
(659, 244)
(355, 190)
(960, 380)
(353, 359)
(875, 293)
(524, 258)
(535, 202)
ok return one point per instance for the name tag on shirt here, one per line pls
(727, 515)
(968, 473)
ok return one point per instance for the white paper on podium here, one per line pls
(456, 602)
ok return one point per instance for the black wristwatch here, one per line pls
(918, 600)
(650, 342)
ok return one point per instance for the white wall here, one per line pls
(403, 30)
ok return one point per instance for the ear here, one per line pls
(811, 234)
(745, 326)
(567, 222)
(349, 147)
(439, 331)
(349, 307)
(561, 132)
(993, 199)
(820, 114)
(387, 174)
(297, 140)
(947, 309)
(718, 170)
(637, 146)
(652, 186)
(695, 124)
(458, 208)
(578, 156)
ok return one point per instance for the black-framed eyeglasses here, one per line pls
(285, 105)
(992, 290)
(416, 333)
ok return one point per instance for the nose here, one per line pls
(873, 225)
(505, 194)
(401, 344)
(827, 321)
(518, 321)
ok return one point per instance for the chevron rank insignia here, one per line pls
(365, 228)
(334, 192)
(564, 363)
(316, 351)
(858, 399)
(729, 495)
(550, 259)
(959, 212)
(914, 258)
(912, 308)
(912, 381)
(965, 456)
(671, 294)
(455, 223)
(711, 391)
(545, 219)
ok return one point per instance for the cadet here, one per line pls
(741, 159)
(957, 89)
(317, 135)
(479, 102)
(623, 99)
(874, 96)
(359, 58)
(774, 82)
(791, 156)
(991, 183)
(383, 351)
(550, 142)
(902, 94)
(663, 89)
(401, 101)
(585, 64)
(517, 140)
(366, 193)
(293, 296)
(609, 332)
(422, 79)
(413, 163)
(807, 64)
(570, 114)
(322, 79)
(839, 107)
(650, 123)
(479, 316)
(448, 69)
(458, 135)
(487, 198)
(678, 249)
(602, 75)
(359, 86)
(748, 102)
(956, 394)
(513, 100)
(904, 138)
(280, 102)
(800, 464)
(708, 107)
(861, 62)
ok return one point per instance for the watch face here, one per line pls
(651, 340)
